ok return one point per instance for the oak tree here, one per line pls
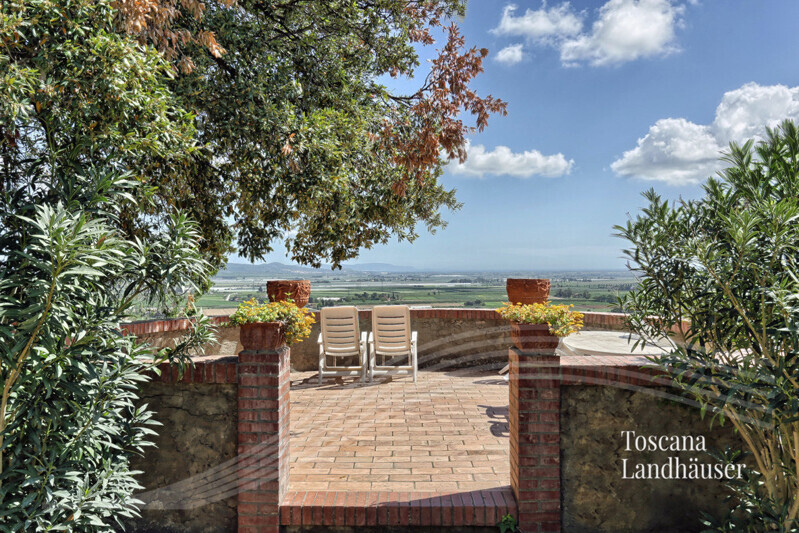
(303, 140)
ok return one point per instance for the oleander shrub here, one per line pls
(720, 273)
(69, 419)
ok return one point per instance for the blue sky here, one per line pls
(604, 101)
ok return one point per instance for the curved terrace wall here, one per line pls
(448, 338)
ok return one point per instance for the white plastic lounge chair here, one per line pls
(341, 338)
(391, 337)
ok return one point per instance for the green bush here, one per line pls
(719, 273)
(80, 106)
(68, 414)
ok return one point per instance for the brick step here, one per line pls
(306, 511)
(385, 529)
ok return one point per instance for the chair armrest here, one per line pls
(364, 350)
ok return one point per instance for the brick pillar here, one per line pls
(263, 431)
(535, 439)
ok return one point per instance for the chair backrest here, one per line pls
(340, 333)
(391, 327)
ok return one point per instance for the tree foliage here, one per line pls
(79, 102)
(68, 419)
(302, 140)
(74, 92)
(719, 277)
(293, 134)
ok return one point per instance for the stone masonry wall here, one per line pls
(595, 497)
(198, 435)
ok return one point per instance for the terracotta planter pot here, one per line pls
(262, 336)
(533, 338)
(527, 291)
(298, 290)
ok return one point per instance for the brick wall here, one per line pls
(251, 480)
(566, 417)
(555, 406)
(185, 475)
(593, 320)
(595, 496)
(535, 392)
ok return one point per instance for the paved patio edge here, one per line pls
(396, 509)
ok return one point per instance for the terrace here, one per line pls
(447, 432)
(261, 446)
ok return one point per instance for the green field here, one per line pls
(584, 294)
(215, 301)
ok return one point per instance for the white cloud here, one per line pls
(510, 55)
(744, 113)
(680, 152)
(625, 30)
(675, 150)
(501, 161)
(540, 24)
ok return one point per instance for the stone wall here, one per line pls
(566, 420)
(195, 442)
(227, 340)
(448, 338)
(595, 497)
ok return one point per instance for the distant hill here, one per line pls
(378, 267)
(235, 270)
(275, 269)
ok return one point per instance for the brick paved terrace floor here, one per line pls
(446, 432)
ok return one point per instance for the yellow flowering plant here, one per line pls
(561, 319)
(296, 321)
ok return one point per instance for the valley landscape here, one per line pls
(367, 285)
